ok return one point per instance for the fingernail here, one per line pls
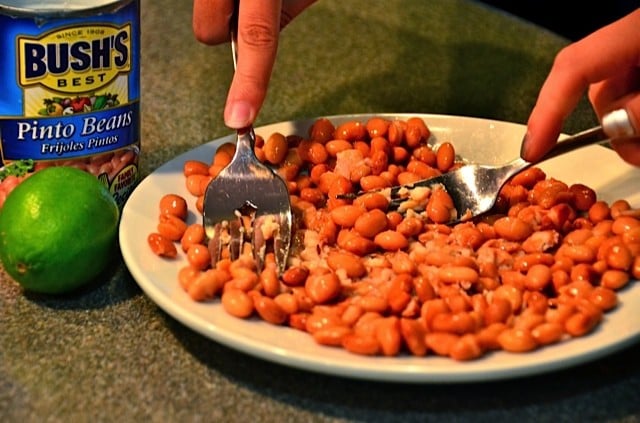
(239, 115)
(617, 124)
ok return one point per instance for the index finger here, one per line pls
(595, 58)
(258, 30)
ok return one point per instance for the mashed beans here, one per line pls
(543, 267)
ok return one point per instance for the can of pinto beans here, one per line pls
(70, 87)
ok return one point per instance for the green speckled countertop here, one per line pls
(108, 353)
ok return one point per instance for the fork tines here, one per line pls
(259, 233)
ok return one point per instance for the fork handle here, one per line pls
(233, 32)
(591, 136)
(573, 142)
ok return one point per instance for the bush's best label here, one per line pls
(75, 60)
(74, 96)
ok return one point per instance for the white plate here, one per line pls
(479, 140)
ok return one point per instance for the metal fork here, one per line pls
(247, 190)
(474, 188)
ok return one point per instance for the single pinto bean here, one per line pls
(517, 340)
(422, 169)
(440, 207)
(350, 131)
(402, 263)
(371, 223)
(580, 324)
(269, 310)
(198, 256)
(287, 302)
(548, 333)
(423, 289)
(195, 167)
(413, 333)
(405, 178)
(488, 336)
(186, 276)
(237, 303)
(393, 219)
(175, 205)
(441, 343)
(432, 308)
(391, 240)
(337, 146)
(618, 208)
(410, 226)
(361, 344)
(194, 234)
(373, 182)
(351, 314)
(275, 148)
(313, 196)
(467, 347)
(269, 280)
(395, 132)
(513, 228)
(623, 224)
(377, 127)
(197, 183)
(355, 243)
(599, 211)
(511, 293)
(387, 333)
(498, 310)
(605, 298)
(332, 336)
(398, 296)
(323, 287)
(416, 132)
(426, 155)
(171, 227)
(618, 256)
(528, 177)
(372, 200)
(538, 277)
(348, 262)
(295, 276)
(322, 130)
(584, 197)
(162, 246)
(318, 320)
(525, 262)
(379, 163)
(457, 274)
(207, 284)
(458, 323)
(445, 156)
(614, 279)
(367, 323)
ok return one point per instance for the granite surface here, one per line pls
(108, 353)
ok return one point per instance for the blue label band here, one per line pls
(70, 136)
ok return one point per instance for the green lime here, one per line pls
(58, 230)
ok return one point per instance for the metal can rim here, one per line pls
(63, 9)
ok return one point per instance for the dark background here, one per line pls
(571, 19)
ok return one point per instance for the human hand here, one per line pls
(259, 25)
(607, 64)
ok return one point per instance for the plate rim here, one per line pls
(379, 373)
